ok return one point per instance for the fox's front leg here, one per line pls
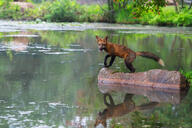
(111, 61)
(110, 99)
(105, 60)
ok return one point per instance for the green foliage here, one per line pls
(5, 3)
(126, 15)
(67, 11)
(139, 121)
(184, 18)
(146, 5)
(36, 13)
(93, 13)
(146, 16)
(10, 11)
(63, 10)
(168, 17)
(188, 75)
(140, 11)
(146, 12)
(165, 17)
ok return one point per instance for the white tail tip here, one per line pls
(161, 62)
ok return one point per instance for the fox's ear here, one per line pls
(106, 38)
(97, 37)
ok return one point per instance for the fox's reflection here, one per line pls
(113, 110)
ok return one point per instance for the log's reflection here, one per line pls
(173, 96)
(155, 96)
(20, 41)
(116, 110)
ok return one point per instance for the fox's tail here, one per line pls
(151, 56)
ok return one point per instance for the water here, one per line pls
(48, 75)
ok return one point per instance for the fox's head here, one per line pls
(102, 43)
(101, 119)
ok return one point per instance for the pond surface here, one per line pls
(48, 75)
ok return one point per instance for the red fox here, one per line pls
(121, 51)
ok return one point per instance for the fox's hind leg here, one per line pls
(128, 62)
(112, 60)
(128, 97)
(130, 67)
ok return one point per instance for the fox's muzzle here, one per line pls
(102, 47)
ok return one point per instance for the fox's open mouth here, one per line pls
(100, 49)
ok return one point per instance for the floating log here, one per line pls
(155, 78)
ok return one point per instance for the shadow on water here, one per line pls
(48, 77)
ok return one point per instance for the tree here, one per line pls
(111, 12)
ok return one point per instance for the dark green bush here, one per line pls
(188, 75)
(63, 10)
(126, 15)
(9, 11)
(93, 13)
(184, 18)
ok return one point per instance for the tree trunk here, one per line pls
(109, 4)
(175, 3)
(125, 3)
(111, 10)
(190, 5)
(182, 4)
